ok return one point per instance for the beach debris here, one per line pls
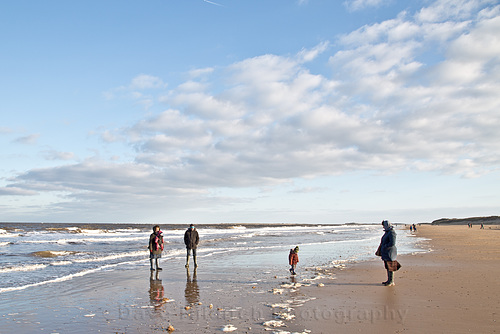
(170, 328)
(229, 328)
(321, 284)
(277, 291)
(284, 306)
(167, 300)
(200, 303)
(291, 286)
(284, 315)
(274, 323)
(89, 315)
(220, 309)
(211, 306)
(187, 308)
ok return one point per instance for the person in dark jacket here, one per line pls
(388, 251)
(293, 259)
(155, 246)
(191, 240)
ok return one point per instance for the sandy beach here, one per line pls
(453, 289)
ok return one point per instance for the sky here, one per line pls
(234, 111)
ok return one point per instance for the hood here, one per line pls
(387, 225)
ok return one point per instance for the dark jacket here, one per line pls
(155, 243)
(388, 250)
(293, 258)
(191, 238)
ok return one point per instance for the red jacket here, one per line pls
(293, 258)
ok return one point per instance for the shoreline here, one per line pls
(453, 288)
(435, 291)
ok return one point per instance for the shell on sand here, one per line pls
(274, 323)
(229, 328)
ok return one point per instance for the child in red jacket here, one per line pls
(293, 259)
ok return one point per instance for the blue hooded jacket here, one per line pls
(388, 250)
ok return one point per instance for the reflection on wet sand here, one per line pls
(192, 292)
(156, 290)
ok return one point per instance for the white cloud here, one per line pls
(5, 130)
(443, 10)
(141, 89)
(56, 155)
(14, 191)
(307, 55)
(355, 5)
(145, 82)
(28, 140)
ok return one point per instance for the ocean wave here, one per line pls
(84, 240)
(60, 263)
(52, 253)
(5, 243)
(65, 278)
(143, 253)
(238, 227)
(31, 267)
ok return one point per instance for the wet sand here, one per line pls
(453, 289)
(221, 295)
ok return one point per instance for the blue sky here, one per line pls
(312, 111)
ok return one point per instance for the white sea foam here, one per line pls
(64, 278)
(4, 243)
(31, 267)
(60, 263)
(113, 257)
(65, 241)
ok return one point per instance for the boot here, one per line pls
(157, 266)
(151, 262)
(195, 263)
(187, 261)
(390, 280)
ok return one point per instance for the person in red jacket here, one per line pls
(293, 259)
(155, 246)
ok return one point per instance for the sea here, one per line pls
(37, 254)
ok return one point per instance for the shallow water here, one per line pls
(33, 255)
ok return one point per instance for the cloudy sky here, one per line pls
(314, 111)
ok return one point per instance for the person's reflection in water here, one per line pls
(156, 290)
(192, 292)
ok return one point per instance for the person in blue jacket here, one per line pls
(388, 251)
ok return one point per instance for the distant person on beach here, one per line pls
(191, 240)
(414, 228)
(293, 259)
(388, 252)
(155, 246)
(482, 226)
(411, 228)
